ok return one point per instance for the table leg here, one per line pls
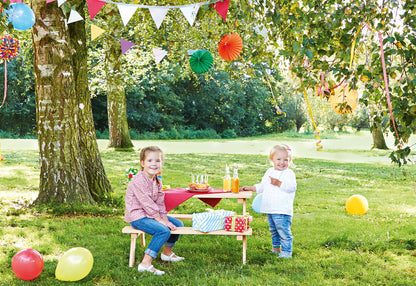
(132, 249)
(244, 248)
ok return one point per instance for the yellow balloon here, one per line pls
(74, 265)
(357, 205)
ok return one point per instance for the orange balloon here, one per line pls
(344, 99)
(230, 46)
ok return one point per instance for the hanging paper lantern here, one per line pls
(230, 46)
(9, 47)
(344, 99)
(201, 61)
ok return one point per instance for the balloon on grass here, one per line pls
(74, 265)
(27, 264)
(21, 16)
(356, 205)
(255, 206)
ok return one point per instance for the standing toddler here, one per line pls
(278, 186)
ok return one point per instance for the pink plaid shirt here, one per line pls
(144, 198)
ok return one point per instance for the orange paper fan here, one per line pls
(230, 46)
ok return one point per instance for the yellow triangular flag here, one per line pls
(95, 32)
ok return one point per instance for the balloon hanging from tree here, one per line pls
(21, 16)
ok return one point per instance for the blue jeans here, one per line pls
(281, 234)
(159, 231)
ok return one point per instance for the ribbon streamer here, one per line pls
(319, 147)
(353, 45)
(386, 84)
(5, 83)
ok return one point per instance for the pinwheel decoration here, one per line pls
(344, 99)
(201, 61)
(230, 46)
(9, 48)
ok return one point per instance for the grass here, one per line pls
(331, 247)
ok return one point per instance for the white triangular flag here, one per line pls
(190, 13)
(261, 30)
(74, 16)
(126, 12)
(159, 55)
(60, 2)
(158, 15)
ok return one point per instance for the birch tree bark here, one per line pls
(98, 183)
(118, 128)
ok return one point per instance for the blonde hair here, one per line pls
(146, 150)
(280, 147)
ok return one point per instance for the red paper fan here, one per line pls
(230, 46)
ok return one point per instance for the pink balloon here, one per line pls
(27, 264)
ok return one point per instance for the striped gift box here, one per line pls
(210, 220)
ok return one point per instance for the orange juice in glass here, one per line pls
(235, 182)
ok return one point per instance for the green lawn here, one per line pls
(331, 247)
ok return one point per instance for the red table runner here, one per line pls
(175, 197)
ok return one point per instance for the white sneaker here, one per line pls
(151, 269)
(171, 257)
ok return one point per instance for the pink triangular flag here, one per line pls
(190, 13)
(222, 8)
(125, 46)
(94, 6)
(159, 55)
(47, 1)
(158, 14)
(126, 12)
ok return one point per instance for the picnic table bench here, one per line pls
(241, 236)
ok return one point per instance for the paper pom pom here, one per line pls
(9, 47)
(230, 46)
(201, 61)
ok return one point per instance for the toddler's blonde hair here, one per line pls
(280, 147)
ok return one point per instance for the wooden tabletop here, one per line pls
(227, 195)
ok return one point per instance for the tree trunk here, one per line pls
(99, 185)
(378, 138)
(116, 98)
(62, 175)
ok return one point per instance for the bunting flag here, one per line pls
(158, 15)
(60, 2)
(49, 1)
(125, 46)
(261, 30)
(95, 32)
(159, 55)
(222, 8)
(190, 13)
(126, 12)
(74, 16)
(94, 6)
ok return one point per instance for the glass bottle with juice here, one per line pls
(226, 182)
(235, 182)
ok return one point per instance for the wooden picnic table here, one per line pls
(216, 194)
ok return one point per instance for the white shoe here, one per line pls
(171, 257)
(151, 269)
